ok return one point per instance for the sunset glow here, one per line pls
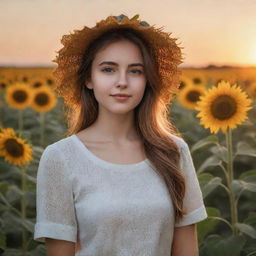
(211, 32)
(253, 56)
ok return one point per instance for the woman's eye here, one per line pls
(137, 71)
(106, 69)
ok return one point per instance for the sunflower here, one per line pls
(189, 96)
(14, 149)
(184, 81)
(44, 99)
(18, 95)
(37, 82)
(223, 106)
(22, 77)
(49, 80)
(3, 84)
(199, 79)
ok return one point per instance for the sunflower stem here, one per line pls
(224, 171)
(9, 206)
(23, 207)
(20, 122)
(233, 206)
(42, 124)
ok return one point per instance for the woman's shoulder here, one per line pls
(180, 142)
(56, 155)
(62, 146)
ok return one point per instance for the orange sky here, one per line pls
(211, 31)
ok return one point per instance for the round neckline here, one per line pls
(104, 163)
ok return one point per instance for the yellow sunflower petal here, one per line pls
(189, 96)
(18, 95)
(222, 107)
(14, 149)
(44, 99)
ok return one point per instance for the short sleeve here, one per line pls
(55, 211)
(193, 200)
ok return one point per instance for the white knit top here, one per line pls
(111, 209)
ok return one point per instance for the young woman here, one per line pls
(123, 181)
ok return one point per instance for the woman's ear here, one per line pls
(88, 84)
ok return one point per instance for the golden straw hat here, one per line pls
(167, 53)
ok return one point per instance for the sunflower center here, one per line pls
(37, 84)
(20, 96)
(25, 79)
(42, 99)
(223, 107)
(49, 81)
(2, 85)
(197, 80)
(14, 148)
(182, 84)
(193, 96)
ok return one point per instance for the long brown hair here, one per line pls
(151, 114)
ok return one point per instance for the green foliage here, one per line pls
(12, 224)
(208, 183)
(220, 245)
(206, 226)
(217, 235)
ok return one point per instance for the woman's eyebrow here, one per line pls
(115, 64)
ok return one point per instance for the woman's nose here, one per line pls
(122, 79)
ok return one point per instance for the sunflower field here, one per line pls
(215, 111)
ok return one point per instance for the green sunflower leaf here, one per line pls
(238, 186)
(205, 226)
(212, 139)
(246, 229)
(208, 183)
(210, 161)
(245, 149)
(249, 176)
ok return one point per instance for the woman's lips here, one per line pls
(121, 98)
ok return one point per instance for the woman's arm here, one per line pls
(185, 241)
(57, 247)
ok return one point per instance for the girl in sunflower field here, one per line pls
(122, 182)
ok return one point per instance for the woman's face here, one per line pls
(118, 68)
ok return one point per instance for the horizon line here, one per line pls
(2, 65)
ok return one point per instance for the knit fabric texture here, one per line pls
(110, 209)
